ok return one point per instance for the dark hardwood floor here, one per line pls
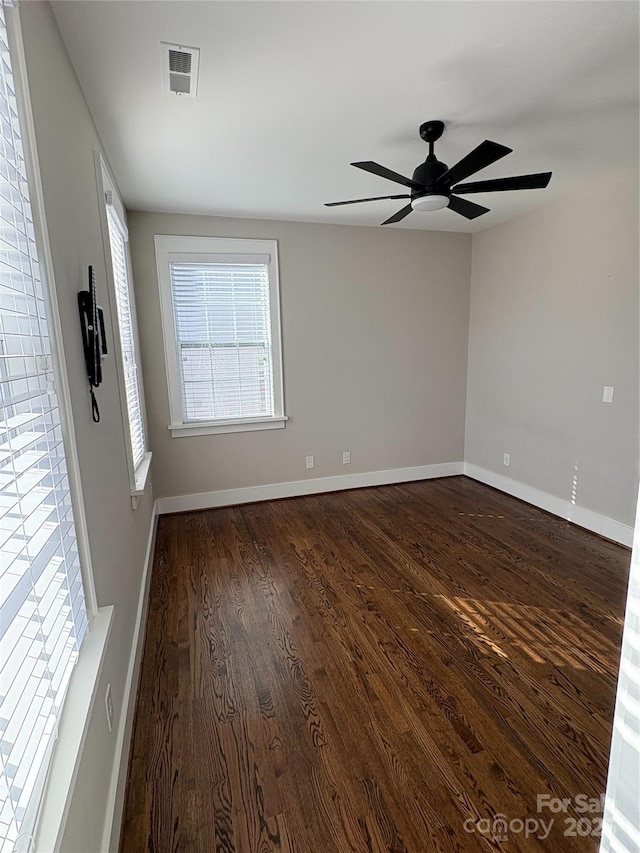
(384, 669)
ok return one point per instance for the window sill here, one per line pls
(141, 476)
(235, 425)
(74, 724)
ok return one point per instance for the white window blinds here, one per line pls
(118, 243)
(223, 337)
(621, 824)
(42, 609)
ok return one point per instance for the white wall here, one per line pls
(374, 326)
(554, 318)
(66, 140)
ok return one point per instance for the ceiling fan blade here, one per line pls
(468, 209)
(517, 182)
(358, 200)
(381, 171)
(484, 155)
(399, 215)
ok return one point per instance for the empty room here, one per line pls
(320, 377)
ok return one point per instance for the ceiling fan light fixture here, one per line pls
(430, 202)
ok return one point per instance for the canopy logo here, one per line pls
(498, 827)
(588, 822)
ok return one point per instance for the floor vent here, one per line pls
(180, 69)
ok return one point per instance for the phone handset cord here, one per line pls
(95, 411)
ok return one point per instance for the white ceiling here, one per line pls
(291, 92)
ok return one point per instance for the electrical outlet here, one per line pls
(346, 457)
(108, 704)
(507, 459)
(310, 462)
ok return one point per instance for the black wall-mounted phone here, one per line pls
(93, 338)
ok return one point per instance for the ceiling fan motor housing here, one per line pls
(426, 175)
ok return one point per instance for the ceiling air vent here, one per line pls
(180, 69)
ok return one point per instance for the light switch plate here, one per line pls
(607, 394)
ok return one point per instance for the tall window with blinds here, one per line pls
(222, 332)
(42, 608)
(223, 335)
(118, 239)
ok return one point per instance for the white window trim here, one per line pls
(72, 734)
(139, 475)
(169, 247)
(76, 713)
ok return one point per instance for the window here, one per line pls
(43, 616)
(621, 819)
(221, 325)
(131, 384)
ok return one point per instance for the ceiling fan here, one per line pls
(434, 186)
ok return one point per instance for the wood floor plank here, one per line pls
(385, 670)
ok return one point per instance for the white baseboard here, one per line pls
(608, 527)
(115, 801)
(583, 517)
(231, 497)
